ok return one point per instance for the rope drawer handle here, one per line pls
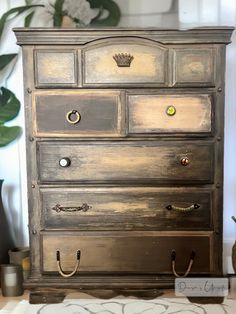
(183, 209)
(173, 258)
(61, 272)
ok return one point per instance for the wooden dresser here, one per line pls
(125, 156)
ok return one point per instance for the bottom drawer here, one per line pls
(126, 252)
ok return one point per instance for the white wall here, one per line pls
(135, 13)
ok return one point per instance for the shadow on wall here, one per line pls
(6, 239)
(11, 233)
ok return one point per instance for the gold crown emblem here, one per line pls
(123, 59)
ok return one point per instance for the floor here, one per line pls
(78, 295)
(73, 295)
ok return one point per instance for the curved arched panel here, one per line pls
(125, 61)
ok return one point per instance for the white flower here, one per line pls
(79, 9)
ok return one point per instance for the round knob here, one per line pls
(171, 110)
(184, 161)
(65, 162)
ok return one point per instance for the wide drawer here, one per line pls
(128, 161)
(170, 114)
(77, 113)
(135, 252)
(126, 208)
(125, 61)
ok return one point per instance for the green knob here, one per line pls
(171, 111)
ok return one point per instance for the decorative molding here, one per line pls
(52, 36)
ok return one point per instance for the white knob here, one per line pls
(65, 162)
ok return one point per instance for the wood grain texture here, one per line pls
(148, 114)
(127, 208)
(100, 113)
(127, 162)
(123, 253)
(126, 237)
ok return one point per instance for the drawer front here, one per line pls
(127, 161)
(125, 252)
(170, 114)
(127, 208)
(125, 62)
(194, 66)
(55, 68)
(77, 113)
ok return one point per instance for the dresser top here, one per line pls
(59, 36)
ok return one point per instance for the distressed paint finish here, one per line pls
(136, 162)
(149, 64)
(194, 66)
(127, 208)
(55, 68)
(148, 114)
(125, 253)
(128, 175)
(100, 113)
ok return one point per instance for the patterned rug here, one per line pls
(122, 306)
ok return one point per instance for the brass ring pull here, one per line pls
(72, 113)
(61, 272)
(173, 257)
(183, 209)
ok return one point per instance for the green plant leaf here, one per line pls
(28, 19)
(8, 134)
(113, 9)
(6, 59)
(58, 13)
(9, 105)
(15, 12)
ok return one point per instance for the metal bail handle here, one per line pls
(173, 258)
(61, 272)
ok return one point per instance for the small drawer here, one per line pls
(194, 67)
(55, 68)
(170, 114)
(77, 113)
(124, 252)
(125, 61)
(143, 208)
(128, 161)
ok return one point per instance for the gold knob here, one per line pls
(171, 110)
(185, 161)
(73, 116)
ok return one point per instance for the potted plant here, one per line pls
(84, 13)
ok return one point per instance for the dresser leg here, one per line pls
(46, 296)
(206, 300)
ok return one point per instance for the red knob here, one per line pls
(184, 161)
